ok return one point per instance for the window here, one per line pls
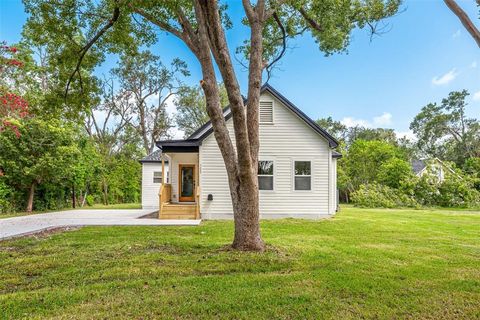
(157, 177)
(303, 175)
(265, 175)
(266, 112)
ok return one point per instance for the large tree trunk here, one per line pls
(31, 194)
(241, 160)
(246, 211)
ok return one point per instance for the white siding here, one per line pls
(150, 190)
(286, 140)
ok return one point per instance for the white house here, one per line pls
(152, 179)
(297, 168)
(434, 166)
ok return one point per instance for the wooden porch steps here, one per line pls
(178, 211)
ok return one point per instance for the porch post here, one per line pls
(163, 170)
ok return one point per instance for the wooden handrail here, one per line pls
(164, 196)
(197, 200)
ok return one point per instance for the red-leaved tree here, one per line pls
(12, 105)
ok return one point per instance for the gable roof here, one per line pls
(418, 165)
(204, 131)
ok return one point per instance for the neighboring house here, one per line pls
(297, 168)
(152, 179)
(433, 166)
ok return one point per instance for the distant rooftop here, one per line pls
(418, 165)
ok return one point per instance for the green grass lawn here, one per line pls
(115, 206)
(95, 206)
(382, 264)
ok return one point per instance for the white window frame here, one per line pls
(161, 177)
(311, 174)
(273, 112)
(268, 175)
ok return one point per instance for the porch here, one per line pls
(179, 196)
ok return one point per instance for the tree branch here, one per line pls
(311, 22)
(84, 50)
(464, 19)
(284, 45)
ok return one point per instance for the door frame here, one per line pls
(186, 199)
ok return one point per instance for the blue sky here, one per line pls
(383, 82)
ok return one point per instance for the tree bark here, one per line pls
(464, 19)
(31, 194)
(241, 166)
(74, 199)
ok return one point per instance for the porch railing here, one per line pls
(164, 196)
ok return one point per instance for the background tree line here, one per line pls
(58, 152)
(376, 168)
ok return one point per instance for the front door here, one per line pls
(186, 182)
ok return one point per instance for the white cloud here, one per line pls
(476, 96)
(384, 120)
(446, 78)
(352, 122)
(474, 64)
(406, 134)
(456, 34)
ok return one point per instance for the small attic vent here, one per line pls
(266, 111)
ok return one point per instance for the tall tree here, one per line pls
(335, 128)
(147, 85)
(364, 160)
(445, 131)
(115, 25)
(45, 151)
(192, 108)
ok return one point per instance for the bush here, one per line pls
(375, 195)
(5, 193)
(90, 199)
(424, 190)
(393, 171)
(456, 191)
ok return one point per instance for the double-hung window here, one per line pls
(157, 177)
(302, 175)
(265, 175)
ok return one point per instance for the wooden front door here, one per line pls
(186, 182)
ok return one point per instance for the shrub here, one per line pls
(5, 193)
(424, 190)
(393, 171)
(456, 191)
(90, 199)
(375, 195)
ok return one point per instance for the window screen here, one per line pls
(303, 175)
(265, 175)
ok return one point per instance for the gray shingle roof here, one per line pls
(418, 165)
(155, 156)
(336, 154)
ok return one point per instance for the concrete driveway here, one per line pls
(18, 226)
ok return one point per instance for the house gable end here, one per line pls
(207, 129)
